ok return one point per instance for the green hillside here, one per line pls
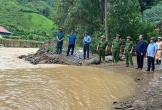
(154, 14)
(28, 20)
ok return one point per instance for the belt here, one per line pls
(115, 48)
(101, 48)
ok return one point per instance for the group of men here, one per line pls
(72, 43)
(153, 51)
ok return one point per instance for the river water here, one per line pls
(62, 88)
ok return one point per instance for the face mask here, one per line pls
(60, 31)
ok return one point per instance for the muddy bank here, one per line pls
(46, 55)
(149, 99)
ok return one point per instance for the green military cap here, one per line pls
(128, 37)
(103, 36)
(72, 31)
(117, 35)
(152, 38)
(85, 32)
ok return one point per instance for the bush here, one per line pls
(14, 37)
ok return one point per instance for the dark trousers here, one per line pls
(86, 50)
(150, 63)
(59, 47)
(70, 46)
(140, 59)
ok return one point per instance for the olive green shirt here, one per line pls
(103, 44)
(129, 45)
(116, 44)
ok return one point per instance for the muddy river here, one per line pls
(62, 88)
(42, 87)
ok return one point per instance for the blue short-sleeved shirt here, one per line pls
(60, 35)
(87, 39)
(151, 49)
(72, 39)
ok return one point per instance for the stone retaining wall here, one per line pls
(18, 43)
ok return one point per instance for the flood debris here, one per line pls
(46, 55)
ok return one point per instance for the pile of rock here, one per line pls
(46, 54)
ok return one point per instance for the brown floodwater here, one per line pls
(63, 88)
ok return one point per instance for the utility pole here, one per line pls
(106, 24)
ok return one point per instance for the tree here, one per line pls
(81, 15)
(147, 4)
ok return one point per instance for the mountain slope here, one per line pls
(24, 20)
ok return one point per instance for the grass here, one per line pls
(15, 19)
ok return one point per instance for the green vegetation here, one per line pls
(154, 15)
(27, 19)
(84, 15)
(147, 4)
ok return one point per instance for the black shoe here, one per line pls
(159, 62)
(147, 70)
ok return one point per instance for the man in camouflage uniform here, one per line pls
(101, 48)
(116, 48)
(128, 51)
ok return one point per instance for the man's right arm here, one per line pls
(57, 38)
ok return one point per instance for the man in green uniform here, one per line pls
(128, 51)
(116, 48)
(59, 41)
(101, 48)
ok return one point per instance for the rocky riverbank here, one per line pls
(46, 55)
(149, 99)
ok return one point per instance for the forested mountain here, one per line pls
(154, 14)
(28, 18)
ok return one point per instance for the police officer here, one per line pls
(128, 51)
(101, 48)
(59, 41)
(115, 49)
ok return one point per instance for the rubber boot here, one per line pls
(157, 62)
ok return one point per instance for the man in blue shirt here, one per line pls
(86, 42)
(59, 41)
(71, 43)
(140, 51)
(151, 52)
